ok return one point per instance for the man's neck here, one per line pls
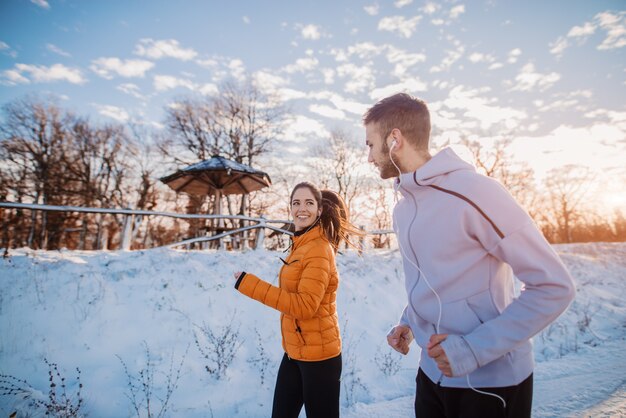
(413, 160)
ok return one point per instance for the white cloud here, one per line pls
(585, 30)
(366, 50)
(209, 63)
(287, 94)
(132, 90)
(557, 105)
(559, 46)
(615, 26)
(339, 54)
(6, 49)
(341, 103)
(528, 79)
(477, 57)
(496, 66)
(302, 65)
(360, 77)
(208, 89)
(13, 77)
(41, 3)
(269, 81)
(430, 8)
(514, 55)
(163, 48)
(457, 11)
(43, 74)
(246, 20)
(371, 10)
(107, 67)
(302, 128)
(329, 75)
(237, 69)
(311, 32)
(401, 3)
(403, 60)
(408, 86)
(57, 50)
(477, 106)
(167, 82)
(327, 111)
(399, 25)
(451, 57)
(113, 112)
(614, 117)
(596, 145)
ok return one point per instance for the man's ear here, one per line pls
(395, 135)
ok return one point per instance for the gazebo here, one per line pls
(217, 176)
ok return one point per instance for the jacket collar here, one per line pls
(302, 237)
(442, 163)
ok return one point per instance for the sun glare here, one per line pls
(615, 201)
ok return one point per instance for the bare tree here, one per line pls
(381, 214)
(336, 162)
(33, 134)
(239, 123)
(518, 178)
(566, 187)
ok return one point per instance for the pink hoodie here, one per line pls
(469, 237)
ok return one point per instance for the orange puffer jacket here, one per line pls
(306, 297)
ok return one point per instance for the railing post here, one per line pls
(260, 235)
(127, 233)
(362, 240)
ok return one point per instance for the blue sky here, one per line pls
(551, 75)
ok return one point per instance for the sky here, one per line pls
(551, 76)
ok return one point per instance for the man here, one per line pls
(462, 238)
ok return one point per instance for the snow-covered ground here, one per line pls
(120, 316)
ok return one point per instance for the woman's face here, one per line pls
(304, 208)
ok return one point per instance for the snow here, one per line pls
(95, 310)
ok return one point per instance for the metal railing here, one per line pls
(129, 223)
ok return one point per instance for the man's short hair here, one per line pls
(409, 114)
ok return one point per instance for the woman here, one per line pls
(310, 370)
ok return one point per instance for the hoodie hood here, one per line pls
(444, 162)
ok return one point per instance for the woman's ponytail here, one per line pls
(335, 220)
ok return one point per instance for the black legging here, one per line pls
(312, 383)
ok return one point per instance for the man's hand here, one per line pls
(399, 338)
(436, 352)
(237, 274)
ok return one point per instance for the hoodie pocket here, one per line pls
(458, 318)
(482, 306)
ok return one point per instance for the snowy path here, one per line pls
(599, 373)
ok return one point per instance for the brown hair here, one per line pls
(335, 216)
(409, 114)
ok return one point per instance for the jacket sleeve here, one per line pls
(303, 303)
(548, 290)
